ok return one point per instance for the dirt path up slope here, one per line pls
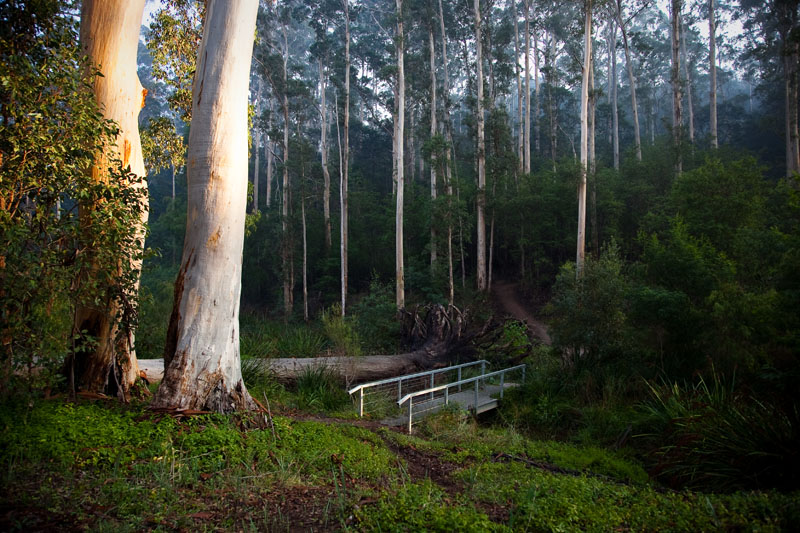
(508, 299)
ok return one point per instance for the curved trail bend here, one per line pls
(508, 299)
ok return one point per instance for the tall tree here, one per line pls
(448, 126)
(434, 222)
(622, 23)
(400, 291)
(202, 364)
(585, 82)
(345, 161)
(527, 149)
(481, 193)
(675, 79)
(109, 35)
(712, 72)
(323, 150)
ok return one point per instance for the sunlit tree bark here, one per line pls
(203, 368)
(109, 35)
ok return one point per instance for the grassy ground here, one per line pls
(100, 466)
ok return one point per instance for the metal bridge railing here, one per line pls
(430, 395)
(381, 397)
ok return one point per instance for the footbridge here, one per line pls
(404, 400)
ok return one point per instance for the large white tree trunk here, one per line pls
(202, 353)
(400, 290)
(481, 196)
(585, 81)
(448, 166)
(109, 35)
(288, 244)
(520, 132)
(613, 93)
(688, 81)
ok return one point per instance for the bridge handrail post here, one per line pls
(459, 379)
(432, 385)
(361, 403)
(410, 402)
(475, 403)
(502, 384)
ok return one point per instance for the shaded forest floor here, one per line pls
(100, 466)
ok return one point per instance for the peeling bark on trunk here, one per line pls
(481, 194)
(109, 34)
(202, 353)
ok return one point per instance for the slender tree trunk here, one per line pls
(412, 153)
(400, 295)
(323, 149)
(287, 244)
(520, 132)
(637, 138)
(537, 125)
(173, 185)
(688, 76)
(448, 165)
(677, 112)
(345, 161)
(434, 220)
(614, 105)
(109, 35)
(551, 109)
(527, 154)
(305, 257)
(791, 55)
(585, 82)
(481, 194)
(593, 162)
(256, 143)
(203, 369)
(712, 71)
(270, 158)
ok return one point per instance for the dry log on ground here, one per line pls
(437, 340)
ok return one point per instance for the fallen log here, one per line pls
(437, 340)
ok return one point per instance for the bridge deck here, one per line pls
(487, 400)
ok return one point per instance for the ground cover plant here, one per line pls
(98, 465)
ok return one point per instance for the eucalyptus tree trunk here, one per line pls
(448, 167)
(790, 67)
(286, 247)
(345, 160)
(434, 221)
(109, 35)
(675, 78)
(585, 82)
(536, 122)
(688, 77)
(520, 133)
(256, 152)
(323, 149)
(400, 291)
(637, 138)
(270, 157)
(203, 369)
(549, 62)
(527, 154)
(481, 194)
(612, 44)
(592, 168)
(712, 72)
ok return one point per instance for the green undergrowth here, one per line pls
(544, 501)
(104, 466)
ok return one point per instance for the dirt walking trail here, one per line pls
(509, 300)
